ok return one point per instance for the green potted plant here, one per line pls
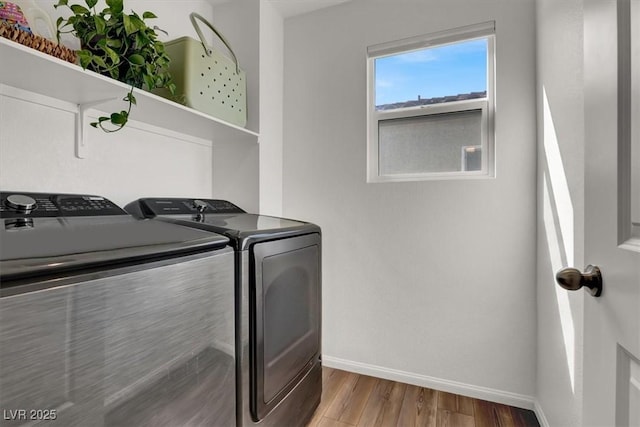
(119, 45)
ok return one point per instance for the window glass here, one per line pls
(446, 73)
(431, 106)
(433, 143)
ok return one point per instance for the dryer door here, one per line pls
(285, 333)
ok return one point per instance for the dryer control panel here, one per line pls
(150, 207)
(47, 205)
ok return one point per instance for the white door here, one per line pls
(612, 212)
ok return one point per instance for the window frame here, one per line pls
(484, 30)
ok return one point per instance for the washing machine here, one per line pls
(278, 305)
(108, 320)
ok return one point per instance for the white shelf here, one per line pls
(30, 70)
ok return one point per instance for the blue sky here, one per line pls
(440, 71)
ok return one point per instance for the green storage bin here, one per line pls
(205, 79)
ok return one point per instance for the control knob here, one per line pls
(200, 205)
(20, 203)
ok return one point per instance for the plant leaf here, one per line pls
(137, 22)
(99, 122)
(79, 10)
(116, 6)
(148, 15)
(95, 37)
(101, 24)
(119, 118)
(114, 43)
(91, 3)
(85, 58)
(129, 26)
(113, 55)
(99, 62)
(148, 80)
(136, 59)
(142, 39)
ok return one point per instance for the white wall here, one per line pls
(271, 104)
(236, 171)
(37, 154)
(560, 207)
(428, 282)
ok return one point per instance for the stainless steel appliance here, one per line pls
(278, 296)
(107, 320)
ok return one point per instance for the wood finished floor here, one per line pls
(350, 399)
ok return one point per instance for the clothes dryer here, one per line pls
(278, 305)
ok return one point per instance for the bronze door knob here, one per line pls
(573, 279)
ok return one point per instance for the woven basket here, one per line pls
(38, 43)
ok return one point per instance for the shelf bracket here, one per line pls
(81, 136)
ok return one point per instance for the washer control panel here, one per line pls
(179, 206)
(43, 205)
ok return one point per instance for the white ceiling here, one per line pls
(289, 8)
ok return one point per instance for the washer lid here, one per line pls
(45, 246)
(249, 223)
(245, 229)
(220, 216)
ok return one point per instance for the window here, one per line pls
(430, 106)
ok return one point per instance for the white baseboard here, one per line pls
(478, 392)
